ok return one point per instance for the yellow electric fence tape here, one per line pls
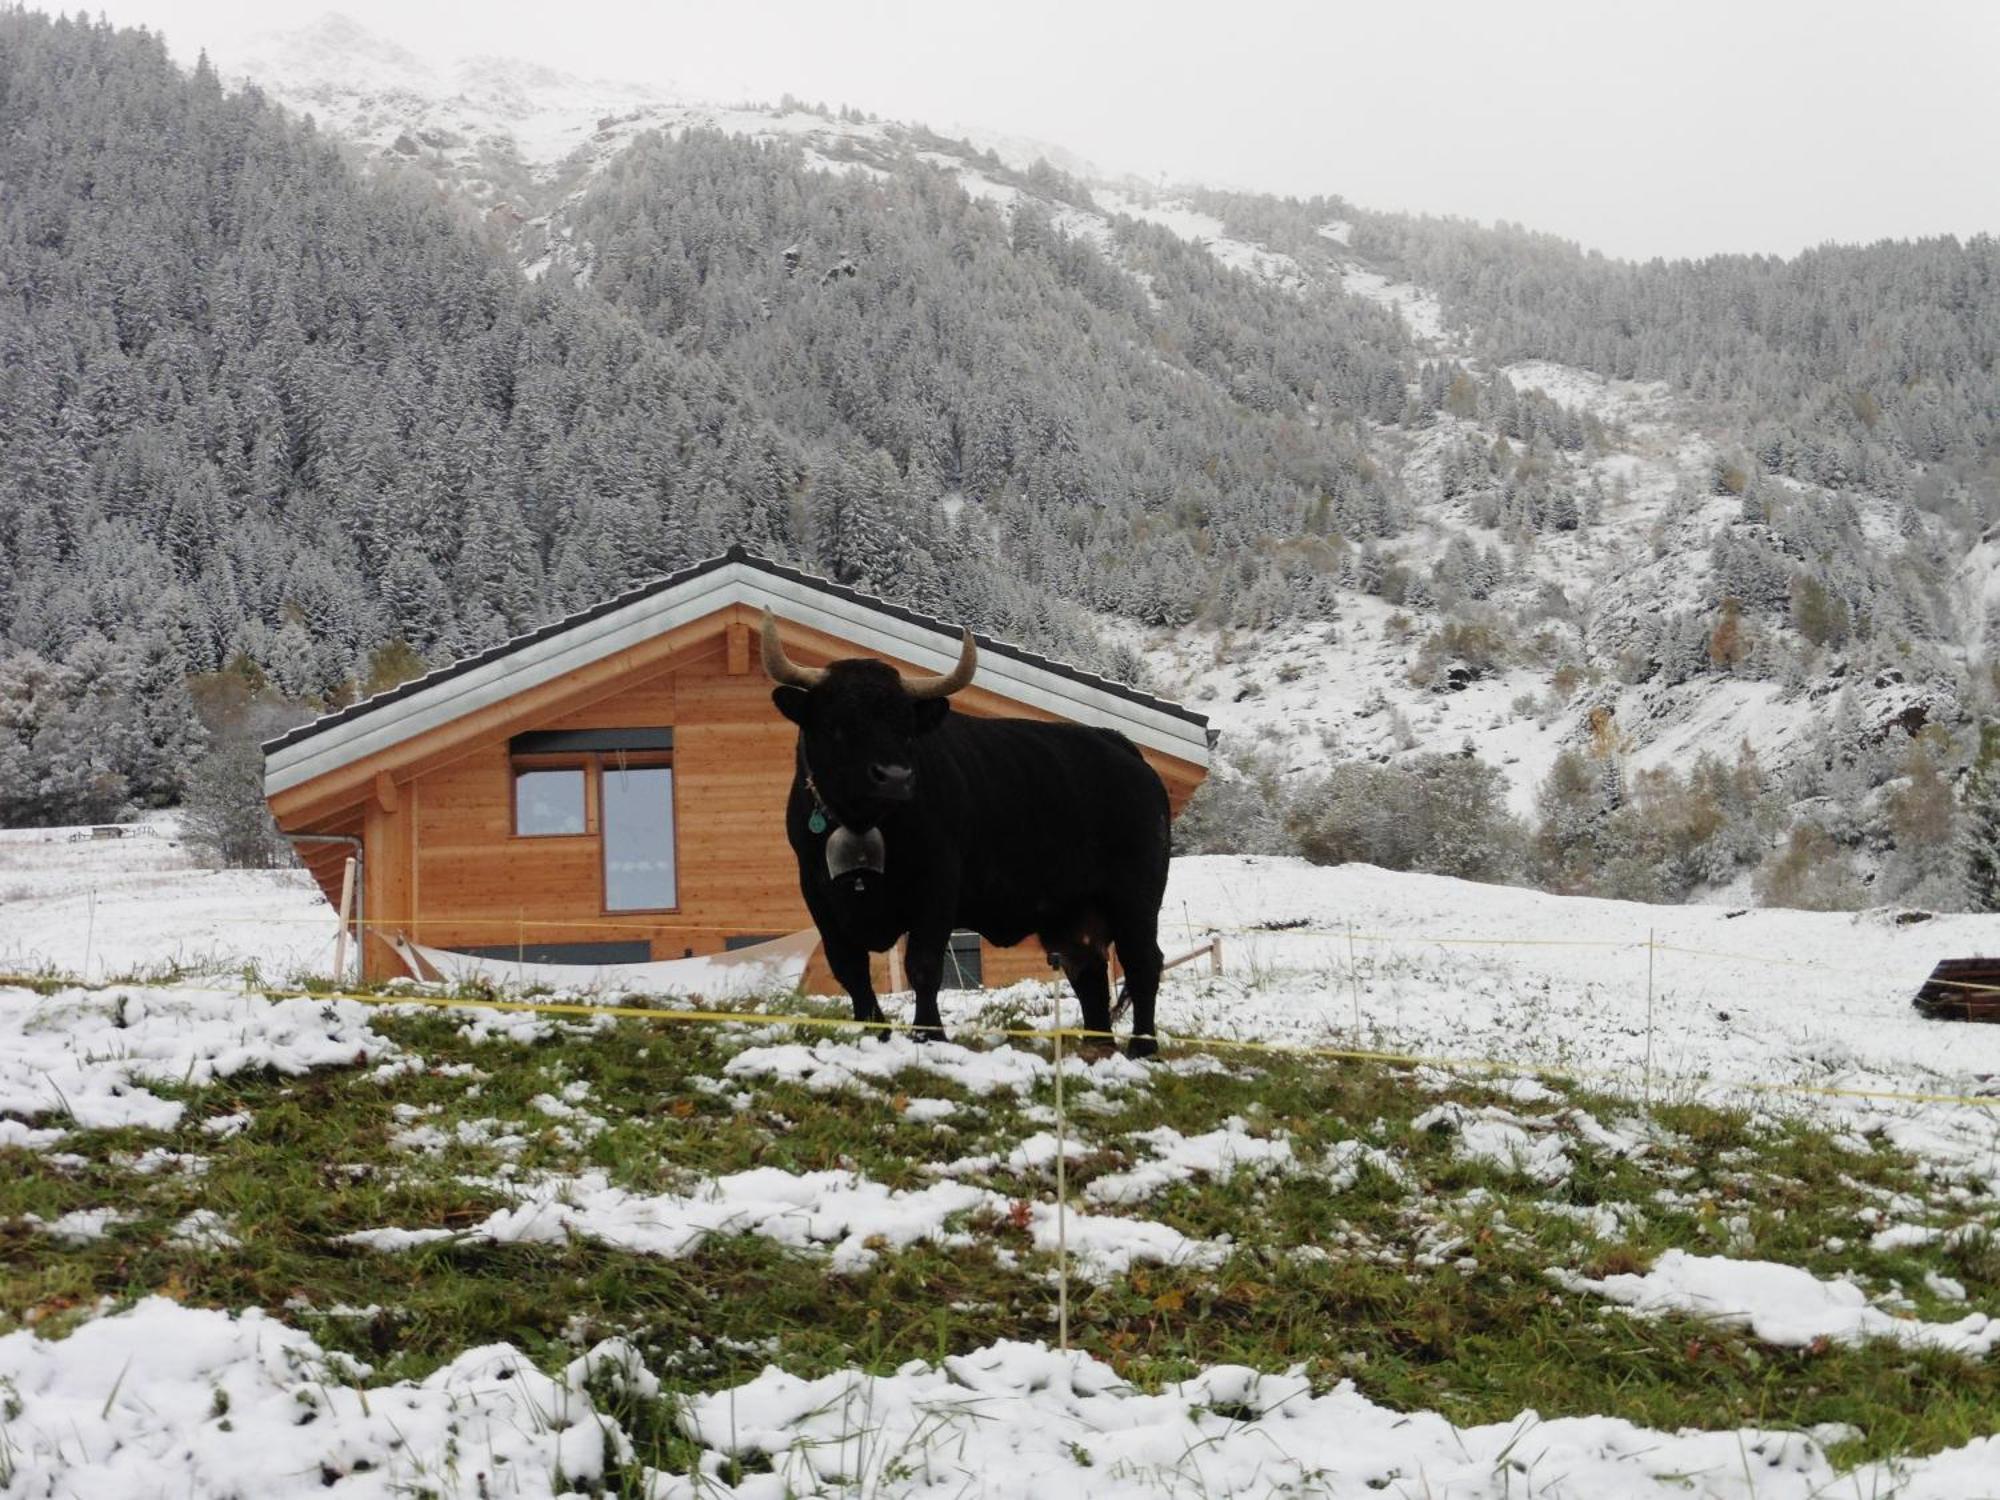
(505, 924)
(1443, 1063)
(511, 924)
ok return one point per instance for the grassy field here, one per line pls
(1415, 1270)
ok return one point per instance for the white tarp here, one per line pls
(758, 970)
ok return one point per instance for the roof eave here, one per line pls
(294, 760)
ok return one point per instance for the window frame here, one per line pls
(593, 762)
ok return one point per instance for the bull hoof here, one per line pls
(1141, 1047)
(929, 1034)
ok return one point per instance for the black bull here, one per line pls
(909, 819)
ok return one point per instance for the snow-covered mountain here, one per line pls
(1577, 606)
(449, 116)
(515, 139)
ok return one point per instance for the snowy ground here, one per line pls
(1443, 965)
(1738, 1000)
(1007, 1420)
(160, 1398)
(1314, 695)
(113, 908)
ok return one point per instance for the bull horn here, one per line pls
(779, 667)
(952, 681)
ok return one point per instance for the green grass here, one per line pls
(1479, 1333)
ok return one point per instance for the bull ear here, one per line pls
(930, 713)
(794, 703)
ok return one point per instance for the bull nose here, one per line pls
(893, 782)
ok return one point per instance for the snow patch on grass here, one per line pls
(79, 1226)
(847, 1215)
(169, 1400)
(847, 1063)
(1035, 1154)
(1780, 1304)
(1177, 1158)
(1021, 1420)
(1347, 1160)
(204, 1229)
(90, 1053)
(1524, 1147)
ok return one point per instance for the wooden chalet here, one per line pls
(610, 788)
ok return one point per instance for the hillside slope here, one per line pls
(1618, 574)
(1365, 487)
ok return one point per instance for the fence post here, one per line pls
(1062, 1194)
(1354, 981)
(89, 933)
(1215, 954)
(1651, 948)
(346, 912)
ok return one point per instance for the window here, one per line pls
(549, 801)
(616, 784)
(638, 952)
(638, 837)
(961, 962)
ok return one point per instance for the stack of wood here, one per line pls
(1961, 989)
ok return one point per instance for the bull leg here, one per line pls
(1139, 952)
(923, 961)
(1084, 966)
(850, 967)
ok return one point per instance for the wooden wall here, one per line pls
(476, 885)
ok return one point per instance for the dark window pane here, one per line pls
(639, 838)
(962, 969)
(637, 952)
(548, 802)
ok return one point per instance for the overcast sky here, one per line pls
(1638, 128)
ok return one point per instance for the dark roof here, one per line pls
(662, 584)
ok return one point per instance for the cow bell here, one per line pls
(852, 859)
